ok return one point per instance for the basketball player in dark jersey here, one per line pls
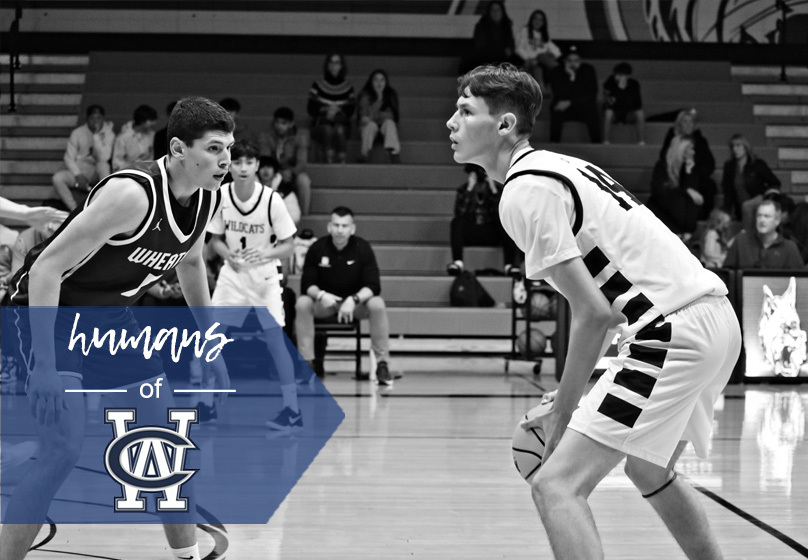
(136, 225)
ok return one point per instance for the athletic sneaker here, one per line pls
(286, 420)
(383, 376)
(207, 414)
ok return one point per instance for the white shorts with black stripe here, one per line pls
(662, 386)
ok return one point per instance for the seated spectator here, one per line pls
(332, 102)
(476, 221)
(341, 280)
(764, 247)
(575, 96)
(685, 125)
(534, 46)
(798, 229)
(290, 148)
(715, 243)
(679, 193)
(269, 173)
(493, 39)
(135, 142)
(746, 179)
(161, 136)
(622, 101)
(378, 113)
(87, 156)
(243, 131)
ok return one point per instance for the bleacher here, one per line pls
(403, 210)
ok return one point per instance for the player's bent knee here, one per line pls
(376, 303)
(61, 451)
(547, 487)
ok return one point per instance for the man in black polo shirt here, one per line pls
(341, 277)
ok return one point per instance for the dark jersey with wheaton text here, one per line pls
(119, 272)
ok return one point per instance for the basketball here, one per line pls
(527, 446)
(536, 347)
(542, 306)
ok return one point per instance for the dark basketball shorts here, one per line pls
(99, 368)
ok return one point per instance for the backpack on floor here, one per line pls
(466, 291)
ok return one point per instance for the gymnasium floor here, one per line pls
(423, 470)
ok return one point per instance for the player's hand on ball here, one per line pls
(537, 416)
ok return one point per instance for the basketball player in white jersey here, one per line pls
(106, 255)
(252, 232)
(623, 272)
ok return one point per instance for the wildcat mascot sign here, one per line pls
(783, 342)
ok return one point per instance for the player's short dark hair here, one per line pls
(192, 117)
(343, 211)
(243, 148)
(623, 68)
(230, 104)
(269, 161)
(93, 109)
(505, 88)
(284, 114)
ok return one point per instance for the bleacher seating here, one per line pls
(403, 210)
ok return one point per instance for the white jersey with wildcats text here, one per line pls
(556, 208)
(256, 223)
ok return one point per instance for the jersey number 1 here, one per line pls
(243, 243)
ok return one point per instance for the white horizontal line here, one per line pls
(204, 390)
(95, 390)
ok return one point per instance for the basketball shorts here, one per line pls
(662, 386)
(258, 287)
(98, 369)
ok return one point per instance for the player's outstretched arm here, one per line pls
(118, 208)
(38, 217)
(591, 316)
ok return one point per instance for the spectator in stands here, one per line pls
(243, 131)
(715, 242)
(87, 156)
(476, 221)
(622, 102)
(798, 229)
(678, 191)
(493, 39)
(575, 96)
(161, 136)
(341, 279)
(685, 125)
(332, 102)
(290, 148)
(746, 179)
(764, 247)
(534, 46)
(270, 175)
(135, 142)
(378, 114)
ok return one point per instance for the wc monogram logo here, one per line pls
(150, 459)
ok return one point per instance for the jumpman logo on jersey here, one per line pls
(157, 227)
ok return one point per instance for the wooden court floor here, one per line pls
(424, 471)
